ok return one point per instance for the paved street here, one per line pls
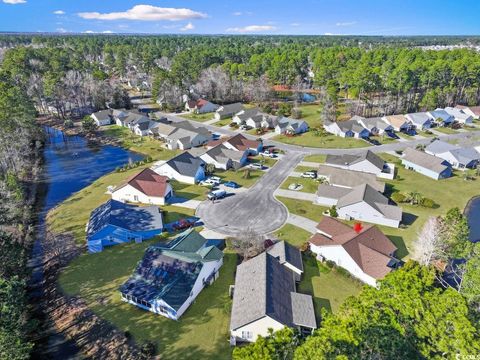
(255, 209)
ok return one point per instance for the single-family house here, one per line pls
(288, 256)
(473, 111)
(185, 168)
(225, 158)
(239, 143)
(367, 162)
(375, 125)
(421, 120)
(119, 116)
(459, 157)
(146, 187)
(144, 128)
(290, 126)
(441, 117)
(241, 117)
(181, 135)
(169, 277)
(348, 178)
(265, 297)
(399, 122)
(102, 117)
(366, 253)
(114, 222)
(255, 121)
(460, 116)
(226, 111)
(362, 202)
(132, 119)
(349, 128)
(426, 164)
(200, 106)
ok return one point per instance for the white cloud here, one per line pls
(187, 27)
(346, 23)
(89, 32)
(14, 2)
(146, 13)
(107, 32)
(251, 29)
(237, 13)
(295, 24)
(61, 30)
(59, 12)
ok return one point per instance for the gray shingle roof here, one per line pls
(348, 160)
(425, 160)
(303, 312)
(332, 192)
(185, 164)
(465, 155)
(287, 253)
(103, 114)
(439, 147)
(419, 117)
(230, 109)
(125, 216)
(349, 178)
(263, 287)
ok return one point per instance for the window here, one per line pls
(135, 197)
(247, 334)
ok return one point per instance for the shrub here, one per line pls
(333, 211)
(148, 349)
(398, 197)
(305, 246)
(427, 203)
(330, 264)
(297, 113)
(342, 271)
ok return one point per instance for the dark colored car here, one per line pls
(392, 135)
(231, 184)
(373, 141)
(183, 224)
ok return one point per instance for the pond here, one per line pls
(71, 163)
(472, 211)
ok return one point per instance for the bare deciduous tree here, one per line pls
(249, 244)
(426, 246)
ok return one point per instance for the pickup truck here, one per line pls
(216, 194)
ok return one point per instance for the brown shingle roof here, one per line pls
(369, 248)
(149, 183)
(239, 141)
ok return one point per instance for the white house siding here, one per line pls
(208, 269)
(167, 171)
(102, 122)
(420, 170)
(257, 328)
(340, 256)
(253, 124)
(363, 211)
(209, 160)
(326, 201)
(198, 140)
(129, 194)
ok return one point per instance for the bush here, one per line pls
(297, 113)
(342, 271)
(330, 264)
(148, 349)
(333, 211)
(305, 246)
(427, 203)
(398, 197)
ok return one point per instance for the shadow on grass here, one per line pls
(402, 250)
(408, 218)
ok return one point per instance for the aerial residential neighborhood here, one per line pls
(225, 180)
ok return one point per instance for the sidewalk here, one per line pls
(303, 223)
(186, 203)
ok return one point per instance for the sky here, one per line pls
(281, 17)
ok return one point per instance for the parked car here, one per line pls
(183, 224)
(210, 182)
(215, 178)
(243, 127)
(231, 184)
(216, 194)
(256, 166)
(456, 126)
(312, 174)
(269, 154)
(373, 141)
(392, 135)
(410, 132)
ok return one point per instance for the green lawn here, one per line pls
(238, 176)
(223, 122)
(328, 287)
(309, 139)
(445, 130)
(315, 158)
(199, 117)
(73, 214)
(311, 114)
(303, 208)
(187, 191)
(202, 331)
(293, 235)
(309, 185)
(144, 145)
(447, 193)
(302, 169)
(425, 134)
(268, 162)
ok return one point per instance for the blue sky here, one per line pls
(319, 17)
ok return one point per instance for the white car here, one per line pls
(269, 154)
(216, 194)
(210, 182)
(256, 166)
(215, 178)
(309, 174)
(244, 127)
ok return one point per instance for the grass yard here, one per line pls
(303, 208)
(199, 117)
(309, 185)
(425, 134)
(328, 287)
(144, 145)
(238, 176)
(309, 139)
(202, 331)
(191, 192)
(268, 162)
(311, 114)
(445, 130)
(447, 193)
(320, 158)
(293, 235)
(302, 168)
(223, 122)
(73, 213)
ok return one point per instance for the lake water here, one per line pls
(71, 163)
(473, 214)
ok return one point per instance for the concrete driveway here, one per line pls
(256, 209)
